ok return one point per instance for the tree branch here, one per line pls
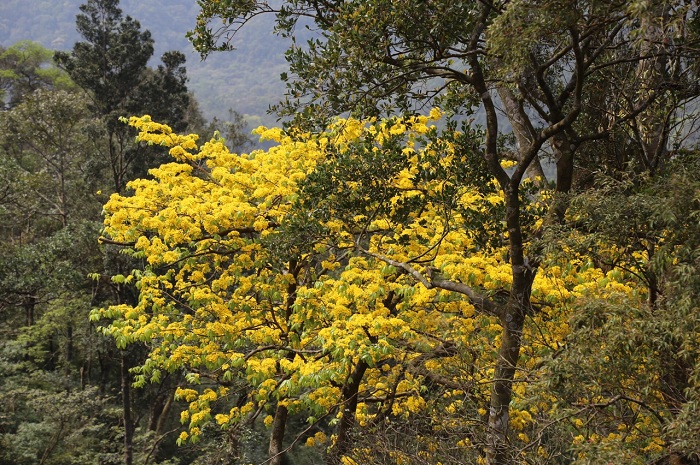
(479, 301)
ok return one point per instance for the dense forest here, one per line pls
(474, 240)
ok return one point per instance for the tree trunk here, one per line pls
(521, 126)
(29, 304)
(564, 154)
(501, 394)
(512, 322)
(126, 406)
(157, 406)
(160, 426)
(69, 348)
(349, 409)
(279, 426)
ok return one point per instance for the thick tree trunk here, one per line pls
(349, 409)
(512, 322)
(502, 392)
(512, 318)
(279, 426)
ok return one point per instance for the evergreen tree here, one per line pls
(112, 59)
(111, 65)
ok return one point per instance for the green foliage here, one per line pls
(631, 358)
(113, 57)
(606, 359)
(57, 155)
(59, 427)
(25, 67)
(47, 161)
(163, 94)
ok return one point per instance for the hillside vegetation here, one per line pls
(474, 240)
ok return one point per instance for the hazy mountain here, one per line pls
(246, 80)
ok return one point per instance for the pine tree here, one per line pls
(111, 65)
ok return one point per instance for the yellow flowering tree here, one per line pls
(288, 310)
(358, 278)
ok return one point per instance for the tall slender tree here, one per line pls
(111, 64)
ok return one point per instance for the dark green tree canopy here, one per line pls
(111, 65)
(112, 59)
(163, 92)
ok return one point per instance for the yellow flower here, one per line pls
(435, 114)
